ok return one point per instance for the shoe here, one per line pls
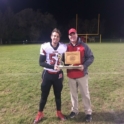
(72, 114)
(39, 117)
(60, 115)
(88, 118)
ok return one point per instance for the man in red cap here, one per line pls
(78, 78)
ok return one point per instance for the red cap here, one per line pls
(72, 30)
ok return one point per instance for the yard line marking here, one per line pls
(35, 73)
(104, 73)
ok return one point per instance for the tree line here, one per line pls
(33, 26)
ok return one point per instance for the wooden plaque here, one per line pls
(72, 57)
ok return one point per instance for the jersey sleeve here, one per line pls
(42, 50)
(42, 58)
(65, 47)
(42, 62)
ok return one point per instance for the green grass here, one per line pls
(20, 78)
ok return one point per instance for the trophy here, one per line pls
(71, 58)
(61, 63)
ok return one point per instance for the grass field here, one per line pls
(20, 78)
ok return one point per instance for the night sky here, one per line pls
(64, 10)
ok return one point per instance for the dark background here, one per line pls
(112, 11)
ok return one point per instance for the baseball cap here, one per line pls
(72, 30)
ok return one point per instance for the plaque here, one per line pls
(70, 58)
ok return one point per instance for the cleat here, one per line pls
(60, 115)
(39, 117)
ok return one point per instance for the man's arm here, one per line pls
(89, 57)
(42, 62)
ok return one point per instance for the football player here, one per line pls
(52, 75)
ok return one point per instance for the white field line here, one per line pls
(111, 59)
(14, 74)
(104, 73)
(95, 73)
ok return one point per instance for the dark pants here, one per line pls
(49, 80)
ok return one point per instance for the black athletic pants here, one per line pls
(49, 80)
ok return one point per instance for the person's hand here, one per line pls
(81, 67)
(56, 67)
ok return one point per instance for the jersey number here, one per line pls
(52, 60)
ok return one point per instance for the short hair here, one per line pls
(57, 31)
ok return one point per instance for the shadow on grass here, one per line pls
(112, 117)
(102, 118)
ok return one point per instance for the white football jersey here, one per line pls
(51, 54)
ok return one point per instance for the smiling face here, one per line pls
(55, 37)
(73, 37)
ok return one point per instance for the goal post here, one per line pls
(86, 35)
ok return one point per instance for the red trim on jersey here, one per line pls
(44, 52)
(50, 72)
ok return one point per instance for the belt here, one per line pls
(50, 72)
